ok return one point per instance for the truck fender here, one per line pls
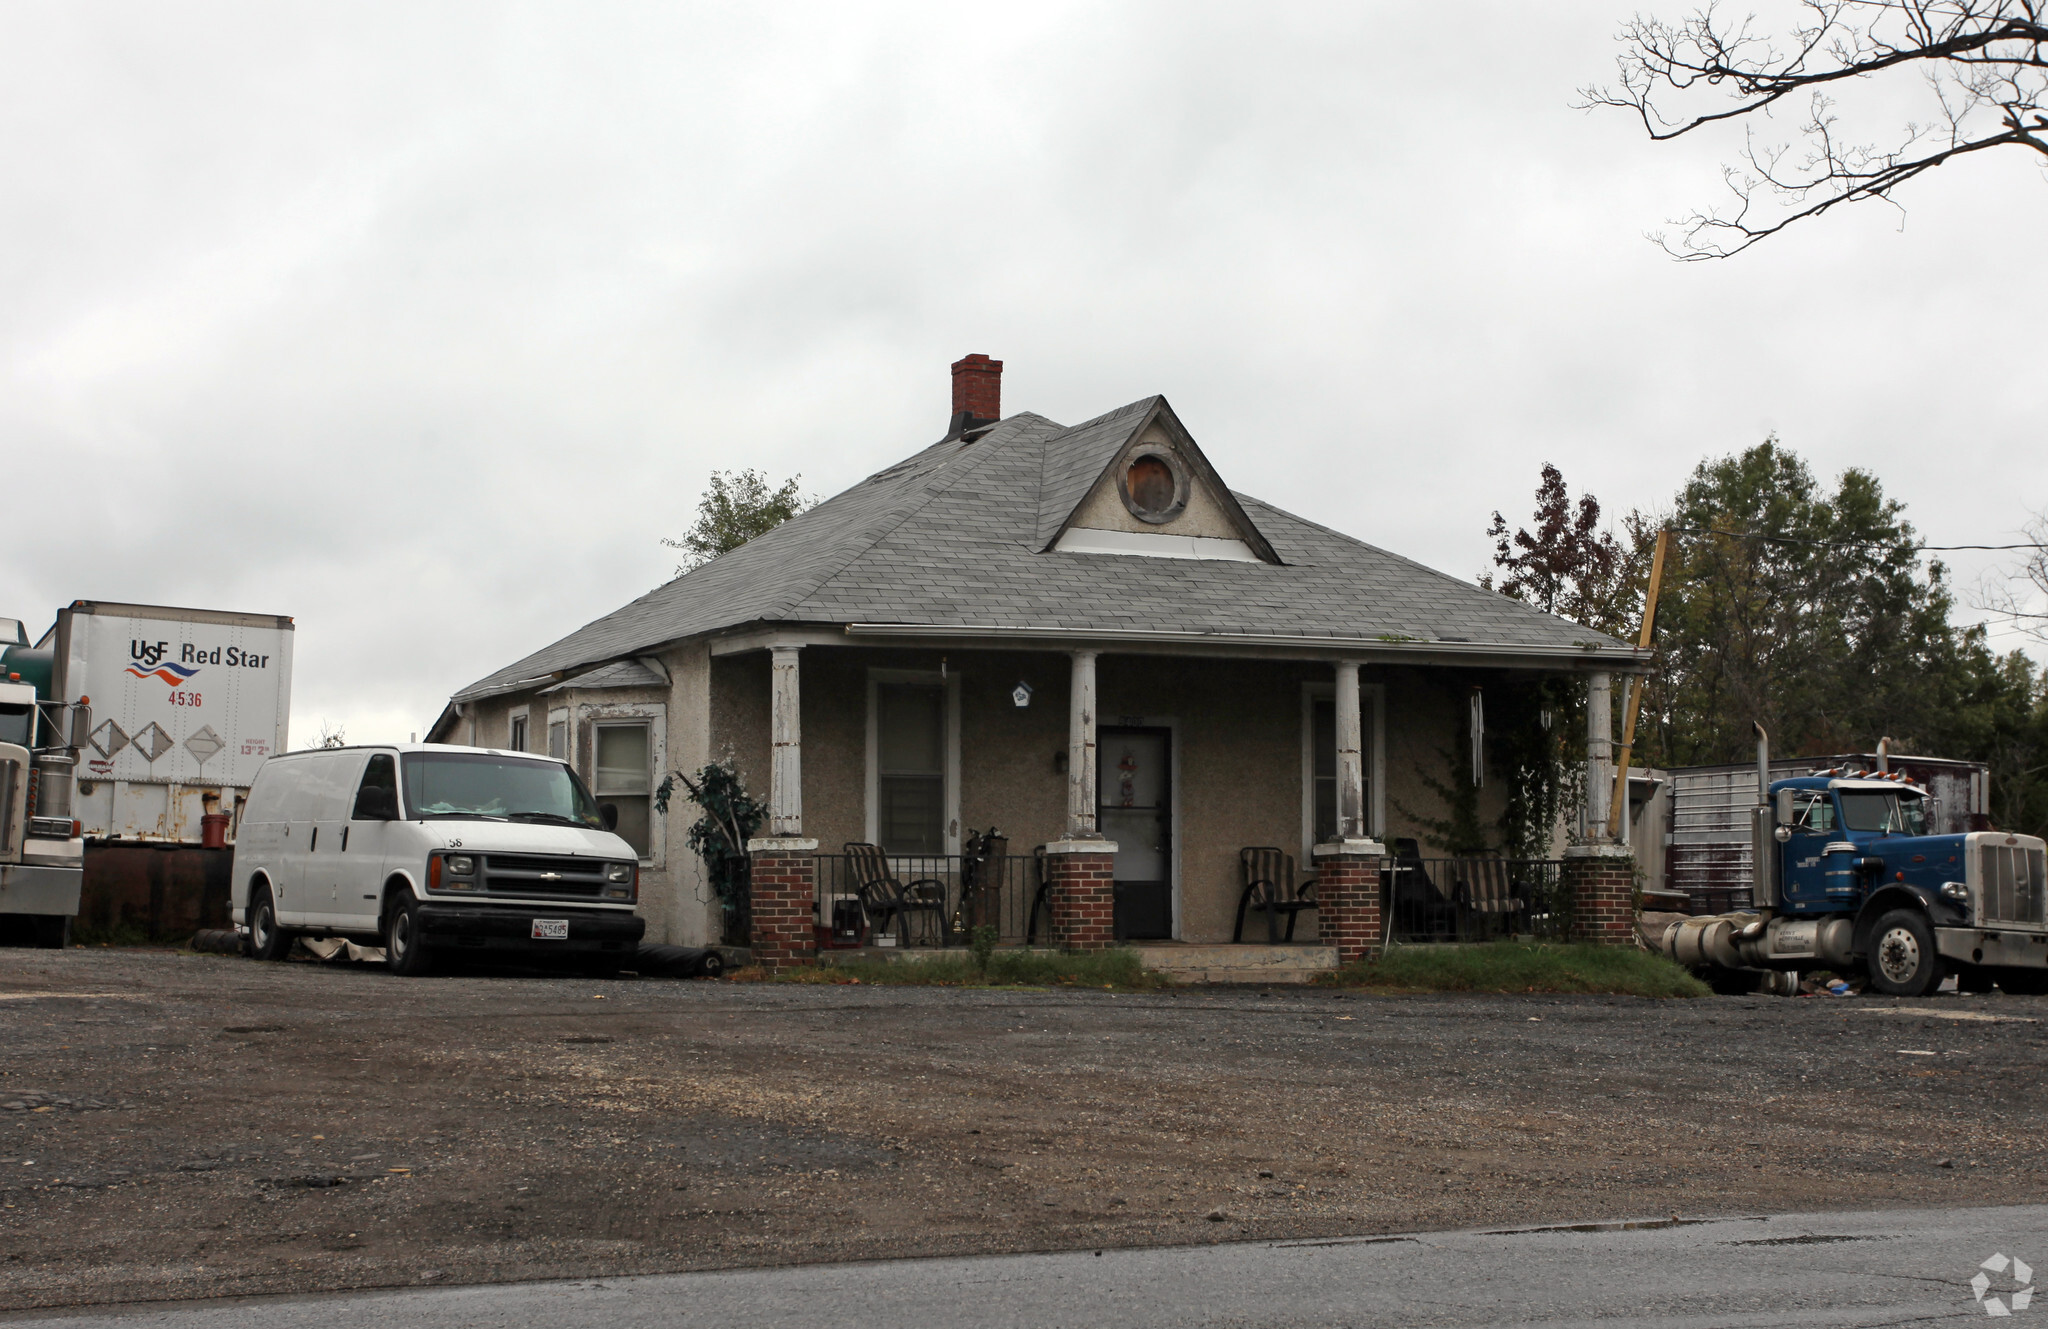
(1900, 895)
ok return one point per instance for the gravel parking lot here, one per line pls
(176, 1125)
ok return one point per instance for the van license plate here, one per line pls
(551, 929)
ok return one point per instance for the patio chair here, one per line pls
(1485, 897)
(1041, 897)
(1420, 911)
(1269, 886)
(885, 899)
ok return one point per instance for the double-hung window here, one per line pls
(624, 772)
(1320, 751)
(516, 740)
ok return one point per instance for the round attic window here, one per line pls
(1154, 486)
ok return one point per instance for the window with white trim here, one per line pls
(623, 776)
(515, 738)
(1319, 759)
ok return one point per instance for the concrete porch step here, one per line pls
(1244, 963)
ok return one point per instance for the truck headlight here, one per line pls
(619, 874)
(461, 865)
(1955, 890)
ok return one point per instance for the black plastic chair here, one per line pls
(1420, 911)
(886, 900)
(1270, 887)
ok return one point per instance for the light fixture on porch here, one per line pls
(1021, 694)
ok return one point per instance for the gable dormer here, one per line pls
(1158, 496)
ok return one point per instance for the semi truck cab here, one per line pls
(1847, 877)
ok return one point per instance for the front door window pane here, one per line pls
(910, 785)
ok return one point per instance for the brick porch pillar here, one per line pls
(1083, 895)
(1600, 882)
(1348, 897)
(784, 890)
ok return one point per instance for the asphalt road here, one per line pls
(1854, 1269)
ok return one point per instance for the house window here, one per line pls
(517, 739)
(558, 734)
(624, 778)
(910, 767)
(1319, 744)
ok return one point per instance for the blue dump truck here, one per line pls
(1847, 878)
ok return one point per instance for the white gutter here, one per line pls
(1389, 645)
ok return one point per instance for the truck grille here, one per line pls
(2011, 877)
(533, 874)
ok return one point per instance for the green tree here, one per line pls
(736, 507)
(1803, 608)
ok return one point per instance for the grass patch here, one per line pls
(1118, 968)
(1516, 966)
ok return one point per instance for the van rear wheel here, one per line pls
(267, 941)
(1903, 962)
(404, 952)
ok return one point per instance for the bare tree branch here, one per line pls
(1984, 64)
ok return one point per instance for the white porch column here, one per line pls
(1350, 756)
(786, 772)
(1599, 755)
(1081, 750)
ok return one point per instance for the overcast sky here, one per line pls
(424, 323)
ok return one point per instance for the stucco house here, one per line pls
(1077, 633)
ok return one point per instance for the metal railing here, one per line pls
(945, 897)
(1449, 900)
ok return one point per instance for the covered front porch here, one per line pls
(1088, 789)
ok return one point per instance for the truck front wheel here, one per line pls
(1903, 962)
(267, 941)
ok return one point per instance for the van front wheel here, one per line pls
(267, 941)
(403, 951)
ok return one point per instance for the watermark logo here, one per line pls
(2018, 1299)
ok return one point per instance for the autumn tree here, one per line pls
(1979, 67)
(736, 507)
(1567, 565)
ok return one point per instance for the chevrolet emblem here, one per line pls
(550, 876)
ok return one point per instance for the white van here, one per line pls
(426, 849)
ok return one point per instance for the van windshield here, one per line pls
(479, 785)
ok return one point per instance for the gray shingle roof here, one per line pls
(950, 537)
(619, 674)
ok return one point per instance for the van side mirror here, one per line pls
(1784, 807)
(608, 813)
(376, 804)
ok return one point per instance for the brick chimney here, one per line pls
(977, 392)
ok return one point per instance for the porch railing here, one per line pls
(1445, 900)
(950, 895)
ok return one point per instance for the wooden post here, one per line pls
(1350, 755)
(1081, 750)
(786, 769)
(1599, 750)
(1635, 688)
